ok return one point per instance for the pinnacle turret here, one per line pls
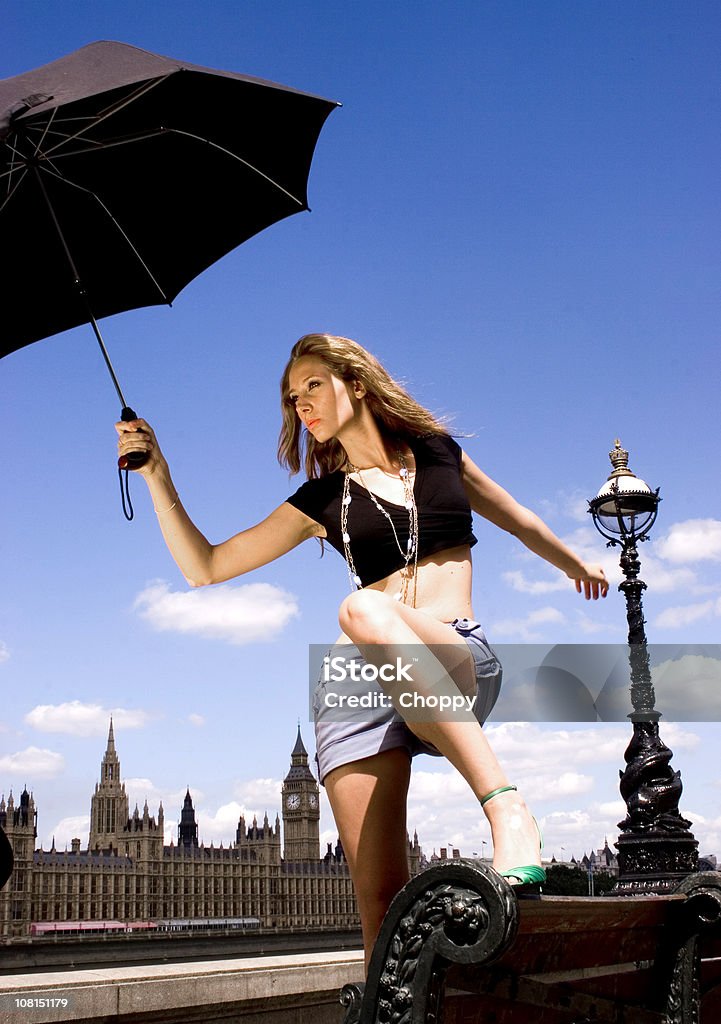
(111, 740)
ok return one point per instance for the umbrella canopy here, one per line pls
(124, 174)
(6, 858)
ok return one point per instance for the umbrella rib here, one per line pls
(144, 265)
(95, 147)
(228, 152)
(13, 190)
(21, 158)
(151, 133)
(114, 109)
(46, 130)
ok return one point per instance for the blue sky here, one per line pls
(517, 209)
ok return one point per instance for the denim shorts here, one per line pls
(381, 727)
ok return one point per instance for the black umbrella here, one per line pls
(124, 174)
(6, 858)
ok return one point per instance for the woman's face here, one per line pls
(323, 402)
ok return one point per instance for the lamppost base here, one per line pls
(654, 863)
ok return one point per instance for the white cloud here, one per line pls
(547, 765)
(614, 809)
(526, 630)
(689, 688)
(586, 543)
(238, 615)
(32, 763)
(66, 830)
(520, 582)
(328, 835)
(221, 826)
(531, 749)
(4, 652)
(659, 577)
(259, 793)
(255, 798)
(443, 810)
(684, 615)
(589, 546)
(139, 790)
(678, 737)
(563, 785)
(550, 766)
(590, 626)
(197, 720)
(664, 580)
(445, 813)
(694, 540)
(78, 719)
(575, 832)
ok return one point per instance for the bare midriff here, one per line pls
(442, 587)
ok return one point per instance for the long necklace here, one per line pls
(409, 569)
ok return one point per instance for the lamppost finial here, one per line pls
(619, 461)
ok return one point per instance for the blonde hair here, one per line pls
(397, 414)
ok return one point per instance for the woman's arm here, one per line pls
(200, 561)
(491, 501)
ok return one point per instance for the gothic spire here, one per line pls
(111, 739)
(299, 761)
(188, 828)
(299, 749)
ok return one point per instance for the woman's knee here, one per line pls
(365, 615)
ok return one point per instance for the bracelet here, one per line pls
(161, 511)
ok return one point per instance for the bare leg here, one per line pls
(370, 619)
(368, 799)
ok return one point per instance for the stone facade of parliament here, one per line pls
(128, 874)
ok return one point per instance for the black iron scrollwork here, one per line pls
(351, 996)
(455, 912)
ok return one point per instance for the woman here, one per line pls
(393, 492)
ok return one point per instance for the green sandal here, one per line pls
(529, 874)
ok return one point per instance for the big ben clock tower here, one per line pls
(301, 810)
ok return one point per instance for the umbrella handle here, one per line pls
(133, 460)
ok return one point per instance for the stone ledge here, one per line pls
(297, 988)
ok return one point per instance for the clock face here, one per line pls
(293, 802)
(313, 800)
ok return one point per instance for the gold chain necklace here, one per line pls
(409, 570)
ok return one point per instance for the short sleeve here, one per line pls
(443, 445)
(313, 498)
(454, 449)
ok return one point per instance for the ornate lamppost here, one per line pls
(656, 848)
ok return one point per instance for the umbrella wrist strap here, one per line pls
(125, 494)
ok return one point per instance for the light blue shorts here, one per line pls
(382, 728)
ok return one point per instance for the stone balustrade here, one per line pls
(288, 989)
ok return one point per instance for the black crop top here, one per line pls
(444, 514)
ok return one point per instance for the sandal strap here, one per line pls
(529, 874)
(495, 792)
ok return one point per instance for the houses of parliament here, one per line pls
(128, 874)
